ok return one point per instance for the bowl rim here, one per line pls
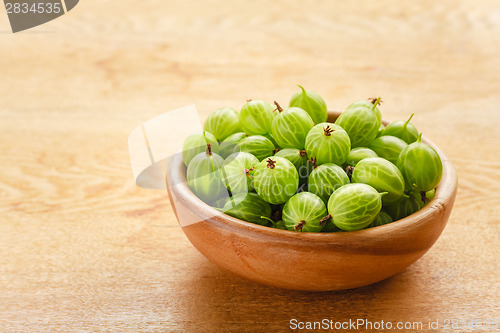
(445, 191)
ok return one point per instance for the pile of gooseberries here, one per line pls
(289, 168)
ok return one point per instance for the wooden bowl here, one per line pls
(310, 261)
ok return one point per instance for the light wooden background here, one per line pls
(83, 249)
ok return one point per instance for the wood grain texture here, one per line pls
(83, 249)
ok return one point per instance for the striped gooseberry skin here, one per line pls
(312, 103)
(361, 123)
(300, 161)
(382, 175)
(421, 166)
(238, 172)
(368, 104)
(381, 219)
(388, 147)
(204, 177)
(271, 138)
(248, 207)
(222, 123)
(325, 179)
(354, 206)
(304, 212)
(257, 145)
(196, 143)
(276, 180)
(256, 117)
(328, 143)
(357, 154)
(226, 147)
(297, 157)
(290, 128)
(402, 208)
(404, 130)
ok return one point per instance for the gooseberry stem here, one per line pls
(408, 121)
(328, 130)
(278, 107)
(205, 136)
(267, 218)
(419, 138)
(313, 161)
(376, 102)
(247, 172)
(423, 197)
(349, 170)
(270, 163)
(325, 219)
(303, 90)
(300, 225)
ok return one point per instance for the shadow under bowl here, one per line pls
(310, 261)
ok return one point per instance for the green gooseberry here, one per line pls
(382, 175)
(326, 179)
(404, 130)
(276, 180)
(402, 208)
(257, 145)
(280, 225)
(381, 219)
(226, 147)
(354, 206)
(304, 212)
(238, 169)
(429, 195)
(248, 207)
(370, 103)
(256, 117)
(297, 157)
(361, 123)
(277, 225)
(330, 226)
(270, 137)
(299, 160)
(421, 166)
(204, 176)
(222, 123)
(328, 143)
(290, 127)
(357, 154)
(380, 130)
(388, 147)
(423, 198)
(312, 103)
(196, 143)
(219, 203)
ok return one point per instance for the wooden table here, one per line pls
(84, 249)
